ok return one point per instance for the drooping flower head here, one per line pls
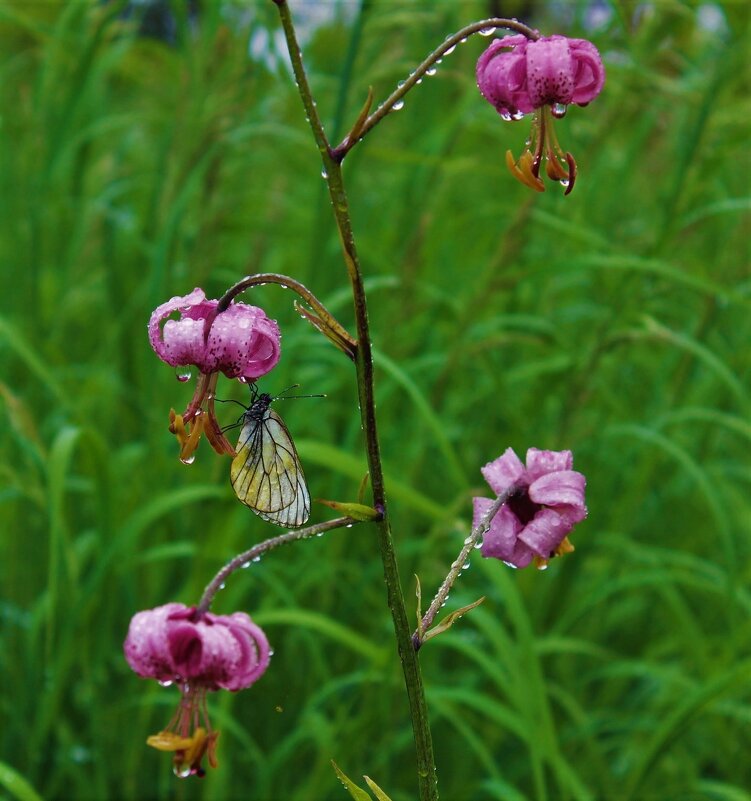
(240, 342)
(548, 501)
(199, 652)
(519, 76)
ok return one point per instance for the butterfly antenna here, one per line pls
(231, 400)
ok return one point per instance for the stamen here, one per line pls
(522, 170)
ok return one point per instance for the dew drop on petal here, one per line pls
(517, 115)
(506, 115)
(183, 373)
(166, 682)
(559, 110)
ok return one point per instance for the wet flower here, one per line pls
(240, 342)
(519, 76)
(199, 652)
(547, 503)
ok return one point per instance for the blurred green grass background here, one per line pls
(614, 322)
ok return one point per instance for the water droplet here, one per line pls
(257, 558)
(182, 771)
(559, 110)
(431, 71)
(450, 50)
(222, 586)
(398, 105)
(506, 115)
(564, 183)
(183, 373)
(418, 81)
(242, 379)
(478, 545)
(166, 683)
(245, 565)
(487, 31)
(517, 115)
(462, 41)
(319, 534)
(349, 525)
(188, 459)
(324, 174)
(465, 566)
(543, 566)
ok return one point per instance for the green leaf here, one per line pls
(356, 792)
(16, 785)
(449, 620)
(379, 794)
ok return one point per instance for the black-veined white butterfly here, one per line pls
(266, 474)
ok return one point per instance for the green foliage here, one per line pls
(614, 322)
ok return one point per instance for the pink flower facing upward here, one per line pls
(547, 503)
(241, 342)
(519, 76)
(199, 652)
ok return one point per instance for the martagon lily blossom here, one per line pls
(547, 502)
(199, 652)
(518, 76)
(241, 342)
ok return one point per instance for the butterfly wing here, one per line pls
(266, 473)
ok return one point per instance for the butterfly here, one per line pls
(266, 473)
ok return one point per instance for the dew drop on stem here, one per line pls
(398, 105)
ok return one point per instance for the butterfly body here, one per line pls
(266, 473)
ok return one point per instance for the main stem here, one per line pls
(426, 774)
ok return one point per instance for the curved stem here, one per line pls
(428, 790)
(398, 94)
(324, 321)
(257, 551)
(458, 565)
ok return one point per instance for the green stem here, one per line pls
(447, 46)
(428, 789)
(257, 551)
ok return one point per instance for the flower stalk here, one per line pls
(361, 129)
(426, 771)
(257, 551)
(457, 566)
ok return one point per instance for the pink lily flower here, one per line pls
(534, 523)
(200, 652)
(519, 76)
(240, 342)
